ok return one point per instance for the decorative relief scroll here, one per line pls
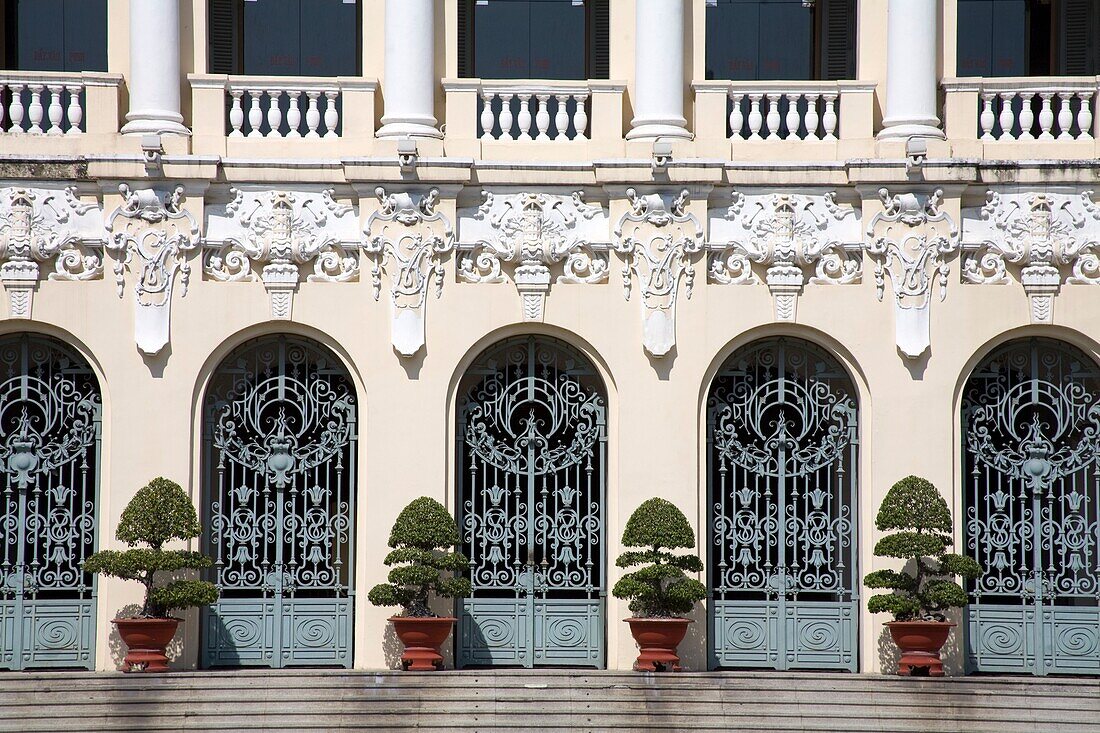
(154, 229)
(535, 231)
(38, 225)
(788, 234)
(1042, 235)
(411, 236)
(657, 238)
(281, 230)
(910, 240)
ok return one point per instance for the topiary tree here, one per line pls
(422, 540)
(659, 589)
(158, 513)
(915, 508)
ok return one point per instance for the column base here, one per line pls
(405, 128)
(652, 131)
(167, 123)
(911, 129)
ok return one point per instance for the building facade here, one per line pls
(542, 261)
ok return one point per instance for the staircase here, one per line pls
(556, 700)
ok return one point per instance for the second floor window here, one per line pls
(749, 40)
(533, 39)
(1028, 38)
(284, 37)
(54, 35)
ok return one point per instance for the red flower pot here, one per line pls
(657, 640)
(146, 639)
(422, 637)
(920, 643)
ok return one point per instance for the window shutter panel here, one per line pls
(838, 39)
(222, 27)
(1076, 29)
(465, 39)
(599, 38)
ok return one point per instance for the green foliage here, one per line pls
(159, 512)
(915, 508)
(660, 588)
(422, 540)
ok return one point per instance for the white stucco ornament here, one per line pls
(796, 238)
(43, 225)
(533, 231)
(657, 238)
(152, 232)
(407, 237)
(910, 240)
(1046, 237)
(281, 230)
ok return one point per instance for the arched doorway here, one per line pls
(1031, 497)
(530, 474)
(279, 480)
(782, 472)
(50, 409)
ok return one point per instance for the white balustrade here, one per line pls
(262, 109)
(534, 111)
(783, 113)
(1031, 108)
(36, 103)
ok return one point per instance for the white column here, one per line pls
(154, 78)
(912, 85)
(409, 85)
(658, 70)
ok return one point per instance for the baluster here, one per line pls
(487, 117)
(773, 115)
(812, 117)
(755, 119)
(1084, 116)
(1007, 116)
(293, 114)
(986, 119)
(506, 116)
(15, 111)
(55, 111)
(236, 114)
(1046, 117)
(313, 115)
(35, 111)
(1065, 117)
(737, 118)
(332, 117)
(274, 114)
(829, 119)
(3, 110)
(561, 117)
(793, 119)
(524, 119)
(1027, 116)
(542, 116)
(255, 114)
(74, 112)
(580, 116)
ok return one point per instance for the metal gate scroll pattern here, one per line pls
(280, 467)
(49, 460)
(783, 448)
(1031, 431)
(531, 453)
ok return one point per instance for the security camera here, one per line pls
(662, 154)
(406, 154)
(916, 150)
(152, 149)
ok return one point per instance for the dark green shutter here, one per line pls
(466, 39)
(1077, 23)
(222, 26)
(837, 40)
(598, 24)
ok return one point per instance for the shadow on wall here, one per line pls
(391, 647)
(693, 649)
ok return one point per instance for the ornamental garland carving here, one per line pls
(1042, 235)
(797, 238)
(408, 236)
(534, 231)
(39, 225)
(154, 234)
(657, 238)
(910, 240)
(281, 230)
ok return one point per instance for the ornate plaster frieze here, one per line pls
(533, 231)
(281, 230)
(657, 238)
(796, 238)
(152, 233)
(40, 225)
(408, 237)
(910, 240)
(1048, 238)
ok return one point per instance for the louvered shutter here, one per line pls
(838, 39)
(222, 24)
(598, 24)
(1077, 25)
(466, 39)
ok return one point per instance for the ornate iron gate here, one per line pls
(49, 460)
(783, 442)
(530, 461)
(1031, 432)
(280, 472)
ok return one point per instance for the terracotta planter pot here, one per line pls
(422, 638)
(657, 640)
(146, 639)
(920, 643)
